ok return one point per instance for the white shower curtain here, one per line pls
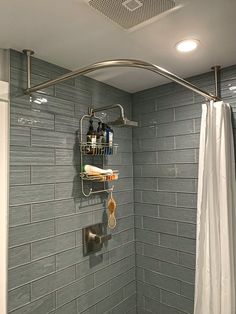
(216, 223)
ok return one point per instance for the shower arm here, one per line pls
(109, 64)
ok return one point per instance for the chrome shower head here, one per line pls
(123, 122)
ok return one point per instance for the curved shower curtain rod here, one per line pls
(109, 64)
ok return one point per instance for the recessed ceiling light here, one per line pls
(187, 45)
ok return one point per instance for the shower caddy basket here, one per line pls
(101, 149)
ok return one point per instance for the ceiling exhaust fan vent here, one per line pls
(132, 5)
(131, 13)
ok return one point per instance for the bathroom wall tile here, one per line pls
(176, 156)
(178, 243)
(109, 302)
(125, 306)
(147, 184)
(187, 290)
(142, 105)
(144, 132)
(67, 190)
(18, 255)
(92, 298)
(123, 279)
(53, 209)
(144, 158)
(73, 222)
(71, 93)
(123, 224)
(31, 232)
(43, 305)
(26, 114)
(56, 105)
(197, 125)
(157, 144)
(158, 170)
(21, 156)
(144, 235)
(187, 200)
(177, 301)
(178, 213)
(187, 260)
(52, 245)
(148, 290)
(147, 263)
(113, 270)
(161, 198)
(160, 225)
(69, 257)
(26, 273)
(130, 289)
(19, 215)
(122, 252)
(162, 281)
(91, 266)
(161, 253)
(52, 282)
(153, 306)
(65, 157)
(175, 128)
(31, 193)
(74, 290)
(20, 135)
(52, 174)
(177, 185)
(186, 170)
(174, 100)
(19, 175)
(156, 118)
(178, 272)
(187, 230)
(146, 209)
(187, 141)
(70, 307)
(18, 297)
(52, 139)
(188, 112)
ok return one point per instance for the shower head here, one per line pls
(123, 121)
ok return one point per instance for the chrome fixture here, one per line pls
(28, 53)
(216, 70)
(121, 121)
(116, 63)
(93, 238)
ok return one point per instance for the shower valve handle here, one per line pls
(99, 238)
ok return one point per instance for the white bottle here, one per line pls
(92, 169)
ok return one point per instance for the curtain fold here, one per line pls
(216, 223)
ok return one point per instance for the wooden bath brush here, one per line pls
(111, 205)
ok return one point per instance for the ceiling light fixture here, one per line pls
(187, 45)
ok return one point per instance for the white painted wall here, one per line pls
(4, 174)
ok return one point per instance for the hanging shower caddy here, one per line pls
(94, 150)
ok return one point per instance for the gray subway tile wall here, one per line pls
(165, 151)
(148, 266)
(47, 270)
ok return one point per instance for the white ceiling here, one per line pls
(71, 34)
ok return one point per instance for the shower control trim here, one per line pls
(94, 237)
